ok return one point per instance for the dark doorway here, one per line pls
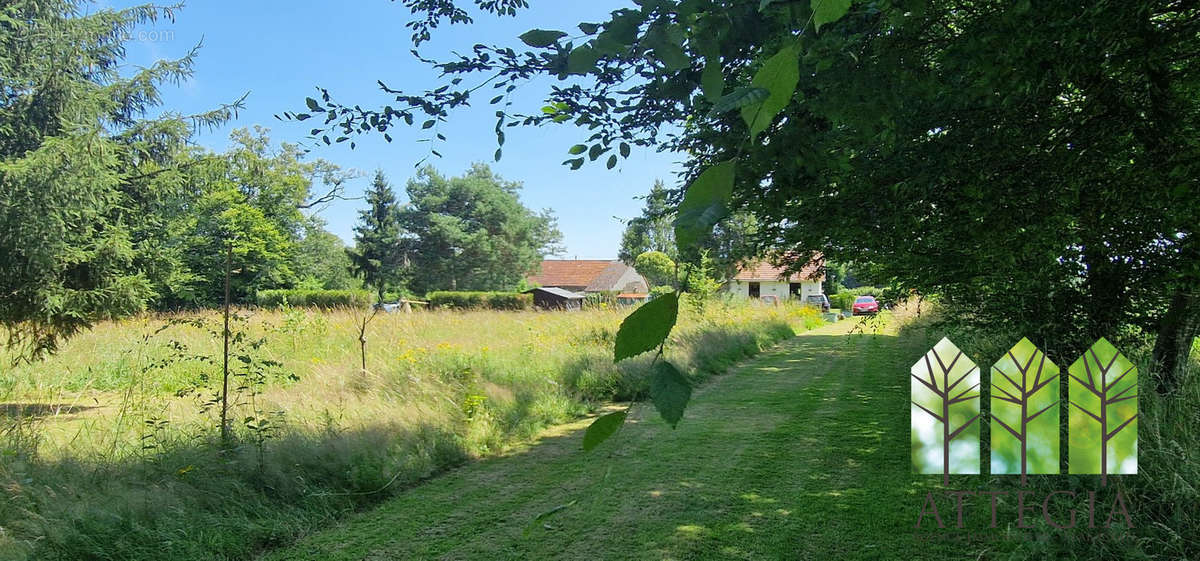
(795, 289)
(754, 290)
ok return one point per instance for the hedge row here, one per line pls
(314, 298)
(844, 299)
(480, 300)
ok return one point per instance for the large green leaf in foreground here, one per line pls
(647, 327)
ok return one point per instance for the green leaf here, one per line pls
(712, 81)
(624, 148)
(704, 204)
(602, 428)
(612, 161)
(828, 11)
(779, 76)
(739, 98)
(541, 37)
(669, 391)
(582, 60)
(428, 124)
(589, 28)
(532, 523)
(672, 56)
(312, 104)
(577, 149)
(647, 327)
(623, 29)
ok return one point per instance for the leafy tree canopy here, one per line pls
(657, 267)
(79, 166)
(472, 232)
(989, 152)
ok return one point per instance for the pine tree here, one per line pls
(378, 256)
(80, 168)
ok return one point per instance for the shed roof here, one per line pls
(569, 272)
(557, 292)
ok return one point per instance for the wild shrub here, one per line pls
(480, 300)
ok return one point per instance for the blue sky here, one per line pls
(279, 51)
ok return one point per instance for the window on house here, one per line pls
(755, 290)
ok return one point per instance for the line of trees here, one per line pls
(1034, 164)
(461, 233)
(107, 207)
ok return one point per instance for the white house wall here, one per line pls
(741, 289)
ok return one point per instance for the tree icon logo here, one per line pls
(945, 412)
(1103, 418)
(1025, 410)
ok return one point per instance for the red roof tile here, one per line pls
(572, 272)
(764, 271)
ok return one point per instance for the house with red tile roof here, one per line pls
(758, 279)
(589, 275)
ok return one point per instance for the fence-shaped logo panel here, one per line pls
(1024, 412)
(1026, 408)
(1103, 418)
(945, 412)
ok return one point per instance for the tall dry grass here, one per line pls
(104, 458)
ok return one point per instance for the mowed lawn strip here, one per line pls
(800, 453)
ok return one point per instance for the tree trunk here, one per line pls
(225, 354)
(1176, 333)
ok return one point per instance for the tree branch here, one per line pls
(926, 384)
(1006, 397)
(1035, 415)
(1090, 414)
(1110, 385)
(1118, 429)
(1018, 435)
(1085, 384)
(935, 415)
(959, 398)
(964, 377)
(965, 426)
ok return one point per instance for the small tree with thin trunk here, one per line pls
(378, 256)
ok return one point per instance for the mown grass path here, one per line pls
(800, 453)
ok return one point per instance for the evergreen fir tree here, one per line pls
(378, 256)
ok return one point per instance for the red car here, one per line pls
(864, 305)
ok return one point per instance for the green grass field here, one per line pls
(797, 454)
(801, 452)
(102, 460)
